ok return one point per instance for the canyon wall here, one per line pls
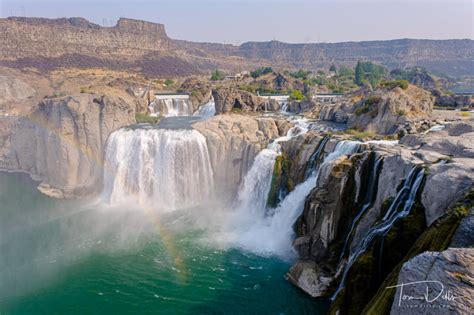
(144, 46)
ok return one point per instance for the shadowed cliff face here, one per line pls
(349, 245)
(144, 46)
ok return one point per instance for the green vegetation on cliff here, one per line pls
(145, 119)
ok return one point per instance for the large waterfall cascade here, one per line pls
(399, 208)
(169, 169)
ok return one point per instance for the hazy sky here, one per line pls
(237, 21)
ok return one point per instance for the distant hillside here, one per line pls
(453, 57)
(135, 45)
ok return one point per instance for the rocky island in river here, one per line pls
(143, 174)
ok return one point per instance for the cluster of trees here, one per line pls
(366, 71)
(300, 74)
(261, 71)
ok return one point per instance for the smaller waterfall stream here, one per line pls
(369, 199)
(207, 110)
(169, 107)
(400, 207)
(272, 233)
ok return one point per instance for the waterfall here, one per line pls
(369, 199)
(273, 232)
(169, 107)
(400, 208)
(284, 107)
(166, 169)
(253, 193)
(314, 158)
(207, 110)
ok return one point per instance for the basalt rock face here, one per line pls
(448, 275)
(61, 143)
(330, 228)
(233, 142)
(228, 99)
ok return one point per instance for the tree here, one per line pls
(333, 69)
(217, 75)
(359, 74)
(345, 71)
(169, 82)
(296, 95)
(261, 71)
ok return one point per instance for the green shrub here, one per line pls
(217, 75)
(301, 74)
(359, 134)
(145, 119)
(169, 82)
(261, 71)
(374, 99)
(296, 95)
(393, 84)
(368, 104)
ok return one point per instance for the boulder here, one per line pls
(310, 278)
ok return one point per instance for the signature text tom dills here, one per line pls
(433, 291)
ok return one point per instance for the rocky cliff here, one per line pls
(434, 55)
(144, 46)
(61, 143)
(233, 142)
(345, 248)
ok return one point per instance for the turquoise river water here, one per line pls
(62, 257)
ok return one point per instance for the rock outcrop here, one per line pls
(387, 112)
(439, 281)
(61, 143)
(228, 99)
(354, 197)
(233, 142)
(13, 92)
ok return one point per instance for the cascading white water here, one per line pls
(207, 110)
(166, 169)
(253, 194)
(368, 201)
(169, 107)
(400, 208)
(273, 234)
